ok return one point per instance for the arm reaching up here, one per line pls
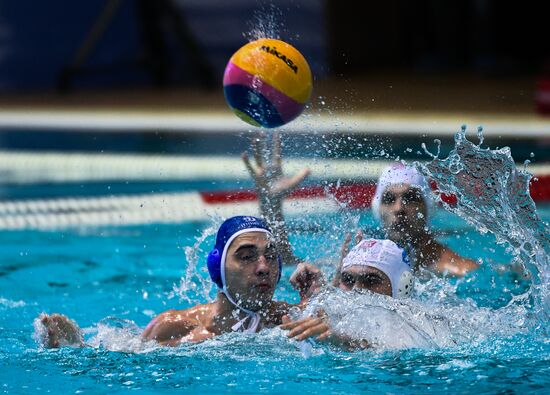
(272, 187)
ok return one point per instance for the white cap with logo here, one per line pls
(386, 256)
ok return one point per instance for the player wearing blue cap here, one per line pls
(246, 267)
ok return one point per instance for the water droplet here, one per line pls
(480, 135)
(460, 136)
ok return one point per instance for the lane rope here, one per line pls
(24, 167)
(31, 167)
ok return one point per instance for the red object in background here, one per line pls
(539, 188)
(354, 196)
(542, 96)
(358, 195)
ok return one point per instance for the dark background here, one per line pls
(181, 43)
(495, 38)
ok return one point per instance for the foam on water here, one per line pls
(10, 304)
(115, 334)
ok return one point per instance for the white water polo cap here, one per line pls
(388, 257)
(396, 174)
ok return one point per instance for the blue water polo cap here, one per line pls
(230, 229)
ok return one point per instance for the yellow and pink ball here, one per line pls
(267, 83)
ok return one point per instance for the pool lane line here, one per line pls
(132, 121)
(189, 206)
(30, 167)
(136, 210)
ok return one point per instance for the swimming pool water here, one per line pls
(133, 273)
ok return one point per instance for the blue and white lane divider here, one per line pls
(154, 208)
(32, 167)
(55, 167)
(135, 210)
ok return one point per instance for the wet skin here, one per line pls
(251, 276)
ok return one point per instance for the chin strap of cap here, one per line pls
(252, 326)
(254, 317)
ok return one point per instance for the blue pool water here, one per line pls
(133, 273)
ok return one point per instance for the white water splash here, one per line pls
(121, 335)
(384, 322)
(266, 23)
(193, 286)
(493, 195)
(11, 304)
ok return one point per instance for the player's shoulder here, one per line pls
(190, 315)
(171, 326)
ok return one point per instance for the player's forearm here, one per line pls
(271, 209)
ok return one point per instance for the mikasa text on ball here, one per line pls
(267, 83)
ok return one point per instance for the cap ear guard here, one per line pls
(214, 264)
(405, 285)
(214, 267)
(406, 280)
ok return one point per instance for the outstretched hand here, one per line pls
(59, 331)
(268, 174)
(318, 328)
(309, 327)
(272, 186)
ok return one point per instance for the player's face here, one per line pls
(252, 270)
(365, 277)
(403, 213)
